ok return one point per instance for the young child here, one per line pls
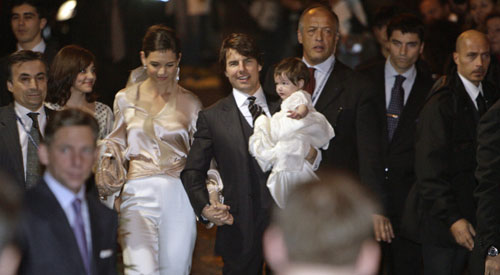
(283, 141)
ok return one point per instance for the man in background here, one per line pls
(28, 20)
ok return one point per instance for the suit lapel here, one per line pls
(96, 231)
(333, 87)
(59, 224)
(230, 118)
(8, 124)
(464, 100)
(379, 81)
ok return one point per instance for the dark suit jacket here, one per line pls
(399, 154)
(220, 135)
(487, 191)
(47, 241)
(445, 159)
(11, 158)
(349, 104)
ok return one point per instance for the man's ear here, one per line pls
(275, 250)
(43, 154)
(10, 86)
(43, 23)
(455, 57)
(299, 36)
(369, 258)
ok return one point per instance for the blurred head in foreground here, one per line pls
(326, 228)
(10, 206)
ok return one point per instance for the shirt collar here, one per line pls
(471, 89)
(40, 47)
(323, 66)
(63, 195)
(22, 111)
(390, 71)
(241, 97)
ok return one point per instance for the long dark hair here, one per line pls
(67, 64)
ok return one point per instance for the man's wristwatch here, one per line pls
(492, 251)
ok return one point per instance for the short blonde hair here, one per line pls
(327, 221)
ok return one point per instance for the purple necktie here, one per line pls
(79, 231)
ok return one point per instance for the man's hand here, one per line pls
(492, 265)
(383, 228)
(464, 233)
(218, 213)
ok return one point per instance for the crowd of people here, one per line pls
(310, 167)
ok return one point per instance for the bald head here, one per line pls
(472, 55)
(470, 36)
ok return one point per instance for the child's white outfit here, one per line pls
(282, 143)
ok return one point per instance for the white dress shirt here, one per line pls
(24, 123)
(241, 99)
(40, 47)
(390, 78)
(472, 90)
(321, 74)
(65, 197)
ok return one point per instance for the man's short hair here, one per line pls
(241, 43)
(406, 23)
(327, 221)
(37, 4)
(21, 57)
(323, 7)
(66, 118)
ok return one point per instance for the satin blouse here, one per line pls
(157, 143)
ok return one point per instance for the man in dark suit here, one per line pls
(445, 158)
(23, 122)
(401, 88)
(28, 19)
(222, 133)
(345, 99)
(64, 229)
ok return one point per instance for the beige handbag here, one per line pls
(111, 171)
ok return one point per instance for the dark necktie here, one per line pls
(312, 81)
(33, 169)
(255, 109)
(481, 105)
(395, 105)
(79, 231)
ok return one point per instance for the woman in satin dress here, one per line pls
(155, 120)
